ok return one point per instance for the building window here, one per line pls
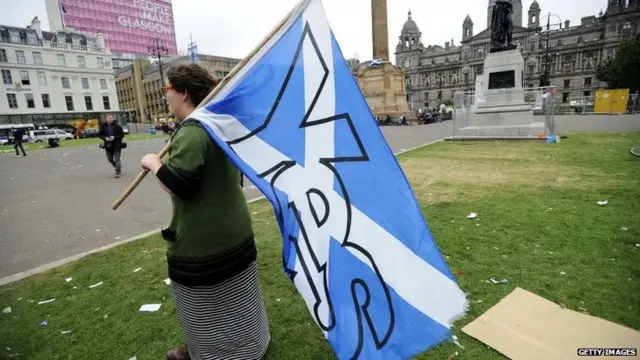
(69, 100)
(587, 82)
(587, 94)
(88, 103)
(105, 102)
(31, 104)
(13, 102)
(426, 96)
(439, 95)
(46, 102)
(81, 61)
(61, 60)
(14, 36)
(565, 97)
(85, 83)
(65, 82)
(32, 39)
(37, 58)
(100, 63)
(75, 41)
(567, 83)
(6, 77)
(3, 55)
(103, 84)
(20, 57)
(42, 78)
(24, 77)
(532, 69)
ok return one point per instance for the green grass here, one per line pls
(536, 203)
(79, 142)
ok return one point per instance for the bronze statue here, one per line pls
(502, 26)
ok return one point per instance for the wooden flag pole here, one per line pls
(213, 92)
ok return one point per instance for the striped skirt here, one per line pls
(225, 321)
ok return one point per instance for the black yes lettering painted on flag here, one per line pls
(323, 208)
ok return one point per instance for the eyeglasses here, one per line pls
(166, 89)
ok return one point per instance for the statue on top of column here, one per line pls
(502, 26)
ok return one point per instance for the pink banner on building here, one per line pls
(129, 26)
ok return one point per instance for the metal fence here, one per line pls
(628, 104)
(503, 113)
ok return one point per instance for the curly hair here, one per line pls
(192, 79)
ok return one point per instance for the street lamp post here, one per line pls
(546, 80)
(158, 50)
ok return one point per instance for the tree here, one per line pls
(622, 71)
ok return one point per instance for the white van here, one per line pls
(44, 135)
(6, 136)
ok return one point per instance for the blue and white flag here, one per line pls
(355, 243)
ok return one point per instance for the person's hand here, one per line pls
(151, 162)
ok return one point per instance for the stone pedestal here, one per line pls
(383, 87)
(500, 109)
(501, 87)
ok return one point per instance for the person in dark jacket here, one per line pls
(18, 134)
(112, 134)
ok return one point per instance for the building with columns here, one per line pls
(435, 73)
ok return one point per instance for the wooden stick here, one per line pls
(213, 92)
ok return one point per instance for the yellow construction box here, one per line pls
(611, 101)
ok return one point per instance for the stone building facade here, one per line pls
(140, 84)
(435, 73)
(54, 78)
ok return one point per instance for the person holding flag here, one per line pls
(355, 243)
(211, 251)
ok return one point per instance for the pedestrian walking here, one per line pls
(112, 134)
(18, 134)
(211, 251)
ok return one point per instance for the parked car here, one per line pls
(89, 133)
(44, 135)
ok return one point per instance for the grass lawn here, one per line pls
(79, 142)
(537, 218)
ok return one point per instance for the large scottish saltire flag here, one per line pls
(355, 243)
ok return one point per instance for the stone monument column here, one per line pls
(380, 29)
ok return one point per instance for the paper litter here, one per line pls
(150, 307)
(7, 310)
(46, 301)
(95, 285)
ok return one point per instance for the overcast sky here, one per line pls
(233, 27)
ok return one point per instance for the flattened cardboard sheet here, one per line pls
(525, 326)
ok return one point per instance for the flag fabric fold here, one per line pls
(355, 243)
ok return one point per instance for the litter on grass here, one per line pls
(472, 216)
(503, 281)
(7, 310)
(603, 203)
(136, 270)
(150, 307)
(95, 285)
(46, 301)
